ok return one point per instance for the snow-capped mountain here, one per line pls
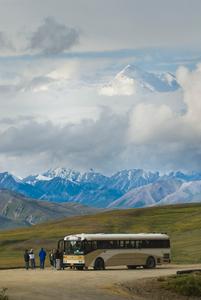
(64, 173)
(126, 180)
(187, 192)
(132, 80)
(13, 183)
(124, 189)
(147, 195)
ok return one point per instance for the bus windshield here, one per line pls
(74, 247)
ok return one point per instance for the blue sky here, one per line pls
(56, 57)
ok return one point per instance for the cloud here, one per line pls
(5, 43)
(53, 37)
(39, 77)
(168, 138)
(147, 121)
(191, 85)
(151, 132)
(87, 144)
(120, 86)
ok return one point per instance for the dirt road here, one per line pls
(69, 284)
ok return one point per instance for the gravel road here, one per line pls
(70, 284)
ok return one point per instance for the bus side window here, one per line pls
(128, 244)
(94, 245)
(113, 244)
(133, 244)
(138, 244)
(146, 244)
(121, 244)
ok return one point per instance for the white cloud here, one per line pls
(147, 121)
(160, 125)
(121, 85)
(191, 85)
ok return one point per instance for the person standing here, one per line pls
(42, 256)
(32, 259)
(54, 256)
(51, 258)
(26, 259)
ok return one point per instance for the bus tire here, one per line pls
(131, 267)
(150, 263)
(99, 264)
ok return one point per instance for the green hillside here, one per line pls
(181, 222)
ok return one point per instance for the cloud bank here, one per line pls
(53, 37)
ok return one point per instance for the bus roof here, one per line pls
(116, 236)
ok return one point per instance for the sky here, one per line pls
(63, 102)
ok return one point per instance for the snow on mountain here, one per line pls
(64, 173)
(126, 188)
(128, 179)
(193, 176)
(188, 192)
(132, 80)
(13, 183)
(32, 179)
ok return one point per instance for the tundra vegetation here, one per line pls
(3, 294)
(181, 222)
(185, 284)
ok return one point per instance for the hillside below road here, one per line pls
(69, 284)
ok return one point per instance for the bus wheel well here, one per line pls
(99, 264)
(150, 262)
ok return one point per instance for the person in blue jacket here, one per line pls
(42, 256)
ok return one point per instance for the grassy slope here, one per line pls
(182, 223)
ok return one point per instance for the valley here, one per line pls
(17, 210)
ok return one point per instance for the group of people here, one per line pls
(54, 257)
(29, 259)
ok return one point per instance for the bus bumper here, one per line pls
(73, 261)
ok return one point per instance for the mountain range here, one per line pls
(124, 189)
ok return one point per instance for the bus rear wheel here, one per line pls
(99, 264)
(150, 263)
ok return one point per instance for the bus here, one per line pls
(101, 250)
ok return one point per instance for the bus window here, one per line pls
(128, 244)
(121, 244)
(133, 244)
(138, 244)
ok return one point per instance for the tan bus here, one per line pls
(102, 250)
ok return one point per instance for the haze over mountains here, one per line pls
(124, 189)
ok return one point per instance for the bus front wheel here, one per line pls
(150, 263)
(99, 264)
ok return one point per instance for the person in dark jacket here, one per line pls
(42, 256)
(26, 259)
